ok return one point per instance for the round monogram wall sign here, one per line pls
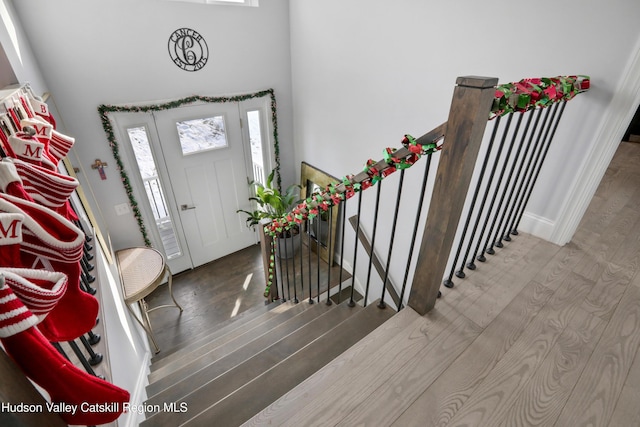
(188, 49)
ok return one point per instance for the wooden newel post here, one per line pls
(468, 116)
(265, 246)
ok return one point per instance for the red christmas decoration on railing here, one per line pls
(374, 172)
(528, 94)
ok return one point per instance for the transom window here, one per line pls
(252, 3)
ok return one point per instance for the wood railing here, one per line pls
(475, 100)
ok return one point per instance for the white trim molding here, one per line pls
(624, 103)
(537, 226)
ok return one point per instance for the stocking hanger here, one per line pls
(14, 107)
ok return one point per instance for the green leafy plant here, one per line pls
(271, 202)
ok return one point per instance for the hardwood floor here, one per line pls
(560, 325)
(210, 295)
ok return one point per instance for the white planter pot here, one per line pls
(292, 246)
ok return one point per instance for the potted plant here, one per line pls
(272, 204)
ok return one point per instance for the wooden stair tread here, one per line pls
(266, 388)
(436, 335)
(221, 346)
(241, 320)
(215, 363)
(281, 410)
(219, 388)
(203, 357)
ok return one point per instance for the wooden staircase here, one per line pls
(228, 375)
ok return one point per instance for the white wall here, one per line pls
(22, 62)
(365, 73)
(115, 52)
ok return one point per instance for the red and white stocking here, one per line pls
(43, 131)
(78, 397)
(29, 149)
(41, 109)
(10, 182)
(49, 188)
(38, 290)
(50, 242)
(60, 145)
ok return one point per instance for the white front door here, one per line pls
(207, 166)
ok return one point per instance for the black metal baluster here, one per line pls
(93, 338)
(309, 260)
(278, 253)
(83, 359)
(58, 347)
(416, 224)
(494, 166)
(78, 223)
(522, 173)
(344, 220)
(301, 267)
(373, 242)
(84, 285)
(497, 189)
(539, 167)
(286, 262)
(530, 167)
(293, 266)
(511, 183)
(95, 358)
(382, 304)
(352, 303)
(86, 263)
(448, 282)
(317, 220)
(493, 170)
(89, 277)
(329, 259)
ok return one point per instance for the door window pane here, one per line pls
(202, 134)
(142, 150)
(255, 140)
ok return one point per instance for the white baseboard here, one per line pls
(537, 226)
(138, 397)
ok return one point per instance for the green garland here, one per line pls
(104, 110)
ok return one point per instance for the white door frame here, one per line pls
(127, 119)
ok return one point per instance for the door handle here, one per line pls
(186, 207)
